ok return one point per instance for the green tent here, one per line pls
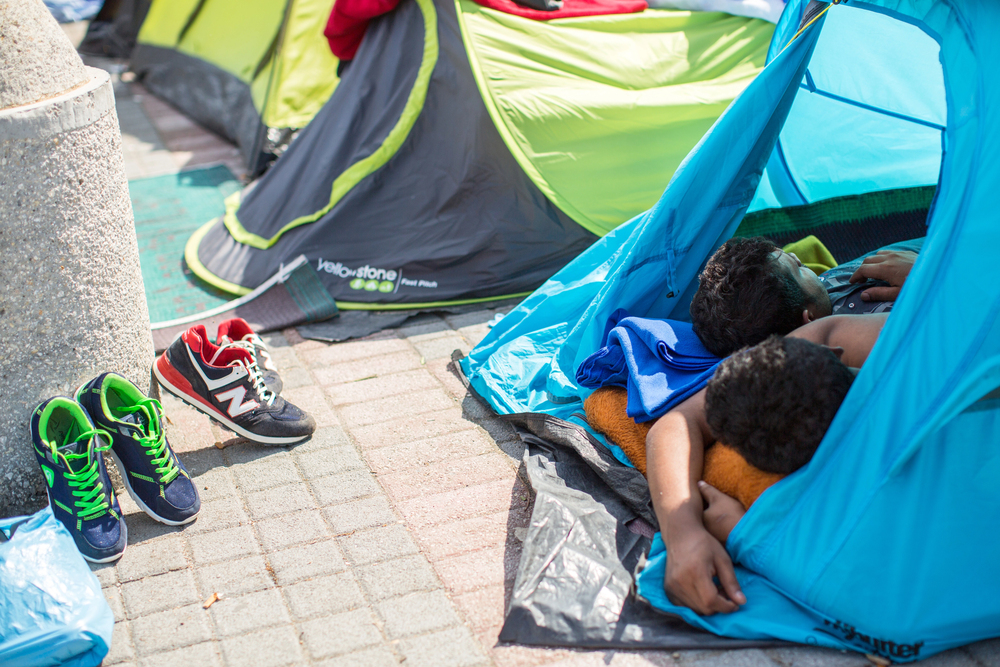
(239, 67)
(468, 154)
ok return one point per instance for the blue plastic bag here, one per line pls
(52, 610)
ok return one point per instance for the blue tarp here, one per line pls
(885, 542)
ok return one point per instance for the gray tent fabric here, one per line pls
(291, 297)
(213, 97)
(450, 216)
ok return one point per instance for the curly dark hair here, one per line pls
(743, 297)
(773, 402)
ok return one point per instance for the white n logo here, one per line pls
(235, 398)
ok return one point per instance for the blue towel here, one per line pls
(659, 362)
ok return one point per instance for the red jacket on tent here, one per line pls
(349, 18)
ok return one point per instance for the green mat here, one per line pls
(168, 209)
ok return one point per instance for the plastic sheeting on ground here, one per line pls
(52, 610)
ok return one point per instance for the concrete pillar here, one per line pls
(72, 303)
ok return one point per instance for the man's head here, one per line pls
(749, 290)
(774, 402)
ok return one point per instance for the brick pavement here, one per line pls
(391, 537)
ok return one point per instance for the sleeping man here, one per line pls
(748, 291)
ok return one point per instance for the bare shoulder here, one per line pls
(856, 334)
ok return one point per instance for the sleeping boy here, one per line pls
(772, 403)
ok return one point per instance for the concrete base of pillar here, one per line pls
(72, 303)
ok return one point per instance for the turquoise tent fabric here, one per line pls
(886, 542)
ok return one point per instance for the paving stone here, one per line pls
(285, 358)
(807, 656)
(258, 468)
(280, 500)
(522, 656)
(113, 595)
(378, 544)
(364, 369)
(328, 436)
(331, 594)
(171, 629)
(141, 527)
(357, 349)
(459, 537)
(159, 593)
(328, 461)
(312, 399)
(285, 531)
(738, 658)
(151, 558)
(223, 545)
(954, 658)
(987, 652)
(393, 578)
(360, 514)
(239, 615)
(216, 483)
(447, 475)
(218, 514)
(341, 633)
(106, 573)
(411, 428)
(344, 487)
(442, 347)
(464, 503)
(395, 407)
(404, 456)
(379, 387)
(121, 649)
(474, 334)
(471, 571)
(440, 369)
(205, 654)
(454, 647)
(483, 608)
(306, 561)
(233, 577)
(374, 657)
(417, 613)
(293, 378)
(267, 648)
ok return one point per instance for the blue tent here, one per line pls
(885, 542)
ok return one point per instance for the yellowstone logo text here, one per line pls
(880, 646)
(370, 278)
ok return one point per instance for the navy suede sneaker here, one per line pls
(68, 448)
(153, 475)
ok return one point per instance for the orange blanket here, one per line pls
(725, 468)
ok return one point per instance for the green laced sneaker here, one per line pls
(153, 475)
(68, 447)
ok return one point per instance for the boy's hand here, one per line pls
(892, 266)
(722, 512)
(693, 562)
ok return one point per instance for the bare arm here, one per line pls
(855, 334)
(674, 457)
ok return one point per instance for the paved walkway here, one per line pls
(391, 537)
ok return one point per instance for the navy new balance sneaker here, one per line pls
(236, 331)
(68, 448)
(226, 384)
(153, 475)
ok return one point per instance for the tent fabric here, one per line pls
(238, 67)
(871, 546)
(569, 9)
(407, 152)
(769, 10)
(471, 226)
(600, 111)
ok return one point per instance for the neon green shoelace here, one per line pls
(154, 441)
(88, 489)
